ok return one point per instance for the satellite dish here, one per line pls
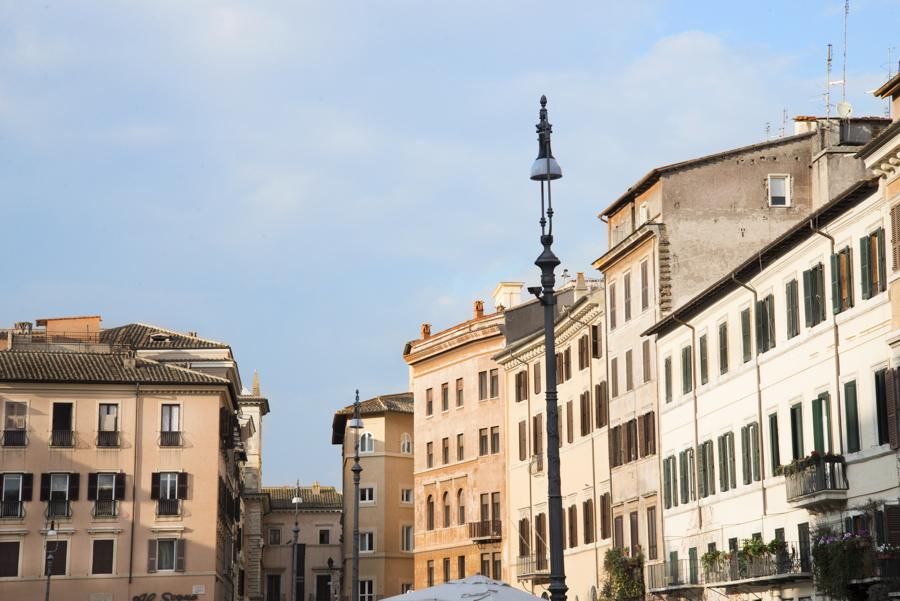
(844, 110)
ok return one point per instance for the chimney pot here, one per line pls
(479, 309)
(426, 330)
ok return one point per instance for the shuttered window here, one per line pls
(814, 295)
(687, 372)
(852, 416)
(614, 377)
(871, 262)
(821, 416)
(585, 410)
(723, 348)
(523, 441)
(792, 308)
(626, 281)
(727, 477)
(645, 286)
(102, 556)
(629, 371)
(706, 469)
(612, 306)
(704, 362)
(537, 377)
(537, 434)
(604, 515)
(774, 449)
(746, 343)
(668, 486)
(9, 559)
(570, 422)
(602, 401)
(667, 377)
(841, 280)
(765, 324)
(645, 356)
(587, 511)
(750, 458)
(895, 236)
(683, 476)
(596, 343)
(797, 431)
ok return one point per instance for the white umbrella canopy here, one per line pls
(473, 588)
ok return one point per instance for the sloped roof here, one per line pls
(95, 368)
(327, 498)
(140, 336)
(396, 403)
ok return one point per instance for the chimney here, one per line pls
(581, 288)
(426, 331)
(479, 309)
(256, 383)
(192, 333)
(507, 295)
(128, 360)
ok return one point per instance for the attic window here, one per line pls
(159, 337)
(779, 190)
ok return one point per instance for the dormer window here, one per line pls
(779, 189)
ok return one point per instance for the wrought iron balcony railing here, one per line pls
(105, 508)
(170, 438)
(108, 439)
(62, 438)
(15, 438)
(12, 509)
(168, 507)
(59, 508)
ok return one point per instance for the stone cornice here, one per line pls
(566, 329)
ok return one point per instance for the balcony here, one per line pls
(170, 439)
(107, 439)
(59, 508)
(817, 483)
(168, 507)
(62, 438)
(741, 569)
(14, 438)
(533, 567)
(12, 509)
(105, 508)
(674, 575)
(485, 531)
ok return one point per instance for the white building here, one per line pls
(776, 409)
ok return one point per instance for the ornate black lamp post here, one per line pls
(545, 169)
(295, 575)
(51, 532)
(357, 425)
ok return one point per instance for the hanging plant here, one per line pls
(837, 558)
(624, 580)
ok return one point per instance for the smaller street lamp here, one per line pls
(356, 424)
(296, 500)
(51, 532)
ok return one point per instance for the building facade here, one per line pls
(583, 417)
(386, 516)
(109, 464)
(460, 466)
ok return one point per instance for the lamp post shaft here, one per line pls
(49, 573)
(356, 469)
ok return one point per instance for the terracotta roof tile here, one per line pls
(327, 497)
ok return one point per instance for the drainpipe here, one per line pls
(134, 479)
(759, 419)
(837, 357)
(696, 415)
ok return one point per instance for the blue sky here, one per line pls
(311, 181)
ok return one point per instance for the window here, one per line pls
(881, 407)
(585, 412)
(482, 441)
(629, 371)
(406, 538)
(626, 282)
(633, 531)
(583, 358)
(645, 285)
(841, 280)
(14, 424)
(667, 377)
(723, 348)
(461, 566)
(273, 587)
(605, 503)
(486, 564)
(461, 506)
(612, 306)
(727, 476)
(670, 483)
(459, 392)
(631, 437)
(429, 454)
(16, 488)
(746, 343)
(536, 368)
(852, 417)
(102, 556)
(614, 376)
(406, 444)
(524, 537)
(171, 418)
(324, 536)
(774, 449)
(618, 532)
(429, 401)
(366, 542)
(482, 385)
(495, 440)
(537, 434)
(9, 559)
(367, 587)
(821, 416)
(166, 555)
(687, 370)
(587, 513)
(367, 443)
(601, 399)
(495, 383)
(495, 507)
(521, 379)
(108, 426)
(445, 397)
(792, 306)
(59, 549)
(460, 446)
(523, 440)
(596, 343)
(406, 495)
(58, 490)
(495, 560)
(652, 550)
(274, 536)
(647, 434)
(814, 295)
(706, 469)
(704, 363)
(446, 565)
(62, 435)
(871, 262)
(686, 474)
(779, 188)
(797, 431)
(429, 513)
(572, 520)
(570, 422)
(567, 364)
(445, 450)
(366, 494)
(446, 512)
(104, 489)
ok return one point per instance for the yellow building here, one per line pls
(386, 497)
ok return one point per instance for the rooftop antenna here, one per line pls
(768, 131)
(784, 118)
(844, 69)
(828, 85)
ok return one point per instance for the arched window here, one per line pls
(461, 507)
(406, 444)
(429, 513)
(367, 443)
(446, 510)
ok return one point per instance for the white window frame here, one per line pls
(6, 416)
(57, 476)
(21, 541)
(367, 595)
(364, 501)
(407, 545)
(43, 567)
(162, 406)
(3, 478)
(367, 443)
(406, 445)
(164, 489)
(269, 532)
(115, 550)
(118, 407)
(367, 535)
(406, 501)
(112, 487)
(174, 552)
(788, 188)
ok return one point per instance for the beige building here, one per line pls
(386, 496)
(254, 406)
(107, 440)
(460, 465)
(583, 417)
(318, 552)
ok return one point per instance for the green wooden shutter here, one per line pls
(849, 263)
(711, 488)
(704, 366)
(826, 412)
(745, 334)
(807, 297)
(682, 465)
(852, 417)
(865, 266)
(701, 471)
(723, 473)
(723, 348)
(818, 438)
(753, 429)
(667, 488)
(882, 282)
(745, 455)
(732, 469)
(760, 314)
(770, 321)
(835, 283)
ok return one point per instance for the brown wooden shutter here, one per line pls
(570, 422)
(45, 487)
(523, 442)
(120, 487)
(895, 236)
(74, 486)
(182, 485)
(92, 487)
(179, 554)
(151, 555)
(27, 486)
(9, 558)
(642, 448)
(892, 391)
(892, 524)
(154, 485)
(102, 550)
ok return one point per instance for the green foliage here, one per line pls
(712, 560)
(836, 559)
(623, 576)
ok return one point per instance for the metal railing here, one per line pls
(532, 565)
(821, 473)
(12, 509)
(171, 438)
(485, 529)
(168, 507)
(878, 565)
(674, 574)
(791, 561)
(105, 508)
(108, 439)
(15, 438)
(62, 438)
(59, 508)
